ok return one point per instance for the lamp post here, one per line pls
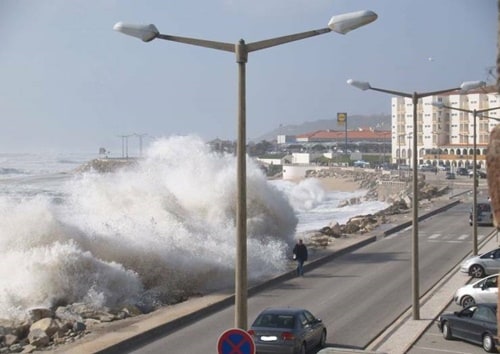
(475, 113)
(436, 141)
(415, 96)
(399, 155)
(409, 136)
(341, 24)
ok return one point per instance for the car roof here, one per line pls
(491, 305)
(489, 276)
(283, 310)
(483, 253)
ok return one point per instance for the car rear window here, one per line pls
(275, 320)
(484, 207)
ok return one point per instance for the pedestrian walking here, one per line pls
(300, 255)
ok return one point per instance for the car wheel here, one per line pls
(489, 344)
(322, 340)
(446, 330)
(476, 271)
(467, 301)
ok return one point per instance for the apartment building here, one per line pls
(445, 137)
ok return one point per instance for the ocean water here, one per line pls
(145, 234)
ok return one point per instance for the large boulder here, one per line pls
(49, 325)
(38, 338)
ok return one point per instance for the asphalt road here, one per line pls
(357, 295)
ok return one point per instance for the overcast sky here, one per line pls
(68, 82)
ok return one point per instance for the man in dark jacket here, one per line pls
(300, 255)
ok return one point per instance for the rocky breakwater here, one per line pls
(43, 329)
(46, 328)
(384, 187)
(106, 165)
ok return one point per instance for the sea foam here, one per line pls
(146, 233)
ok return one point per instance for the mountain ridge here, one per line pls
(354, 122)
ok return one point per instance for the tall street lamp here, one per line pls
(409, 136)
(464, 87)
(475, 113)
(341, 24)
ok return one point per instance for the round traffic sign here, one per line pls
(235, 341)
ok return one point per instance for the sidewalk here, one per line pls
(114, 337)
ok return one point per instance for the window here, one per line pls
(310, 318)
(302, 320)
(484, 314)
(491, 282)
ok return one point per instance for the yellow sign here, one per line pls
(341, 118)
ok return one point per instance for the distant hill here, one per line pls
(379, 122)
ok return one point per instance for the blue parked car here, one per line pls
(476, 324)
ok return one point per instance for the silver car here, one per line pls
(287, 330)
(483, 264)
(482, 291)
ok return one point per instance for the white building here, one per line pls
(445, 137)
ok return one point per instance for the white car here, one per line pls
(482, 291)
(483, 264)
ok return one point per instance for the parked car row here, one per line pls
(462, 171)
(479, 174)
(477, 321)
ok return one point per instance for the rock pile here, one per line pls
(106, 165)
(45, 328)
(400, 201)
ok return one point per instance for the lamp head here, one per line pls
(362, 85)
(350, 21)
(146, 33)
(471, 85)
(438, 104)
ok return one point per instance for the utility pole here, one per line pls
(124, 145)
(140, 142)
